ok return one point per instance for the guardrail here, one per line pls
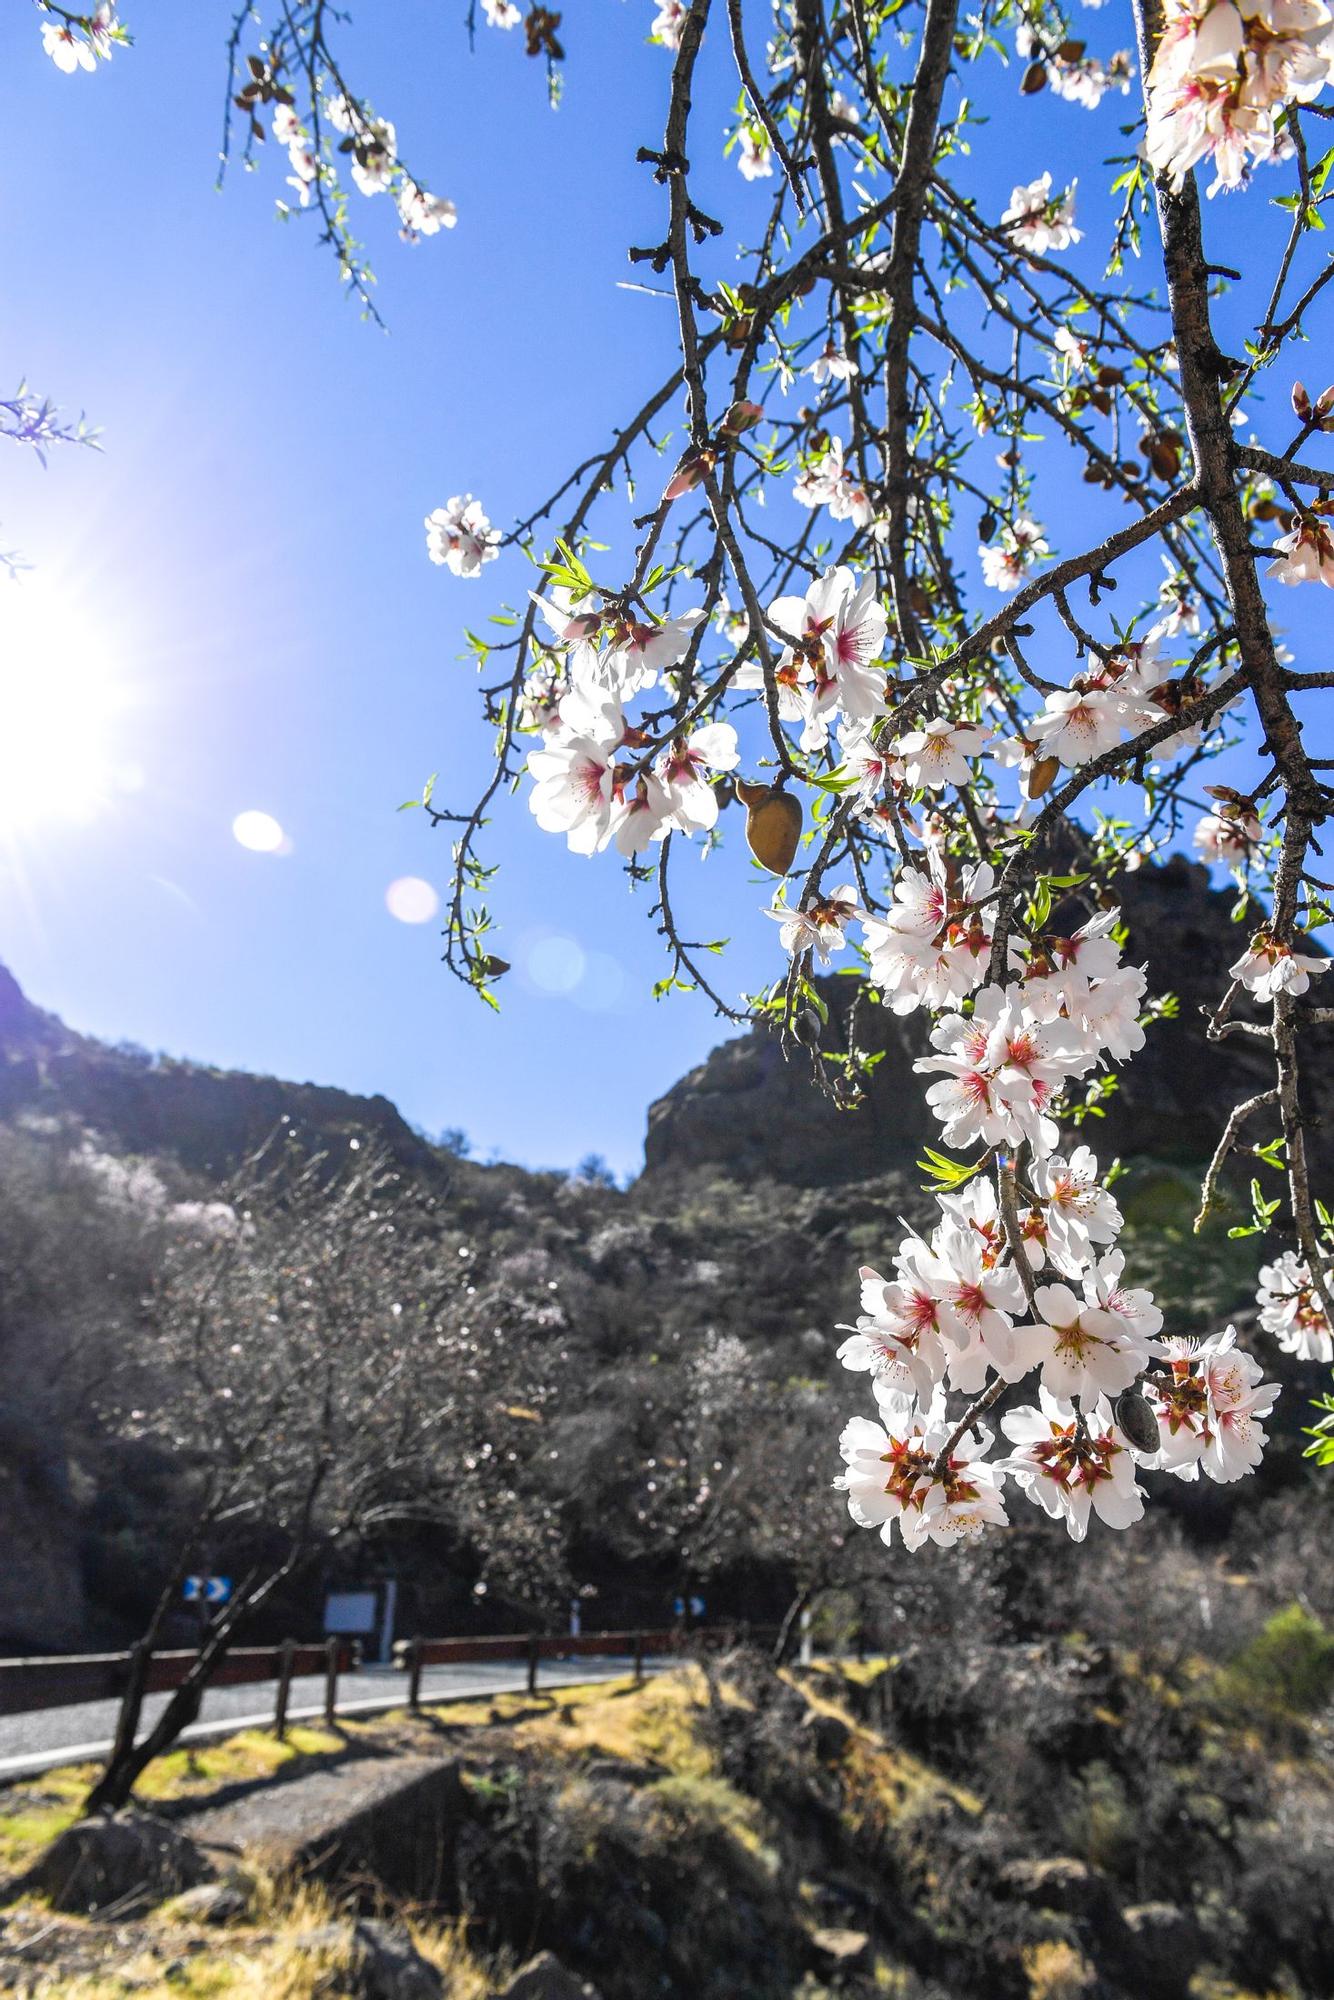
(62, 1681)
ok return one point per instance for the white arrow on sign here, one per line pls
(217, 1589)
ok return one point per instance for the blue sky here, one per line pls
(249, 551)
(246, 558)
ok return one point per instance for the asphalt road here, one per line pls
(43, 1738)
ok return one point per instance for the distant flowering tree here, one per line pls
(849, 617)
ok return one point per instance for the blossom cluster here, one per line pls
(75, 43)
(372, 146)
(460, 537)
(1113, 1397)
(1222, 74)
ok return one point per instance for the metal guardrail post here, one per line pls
(330, 1682)
(414, 1674)
(534, 1654)
(131, 1701)
(286, 1658)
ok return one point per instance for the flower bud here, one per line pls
(1301, 402)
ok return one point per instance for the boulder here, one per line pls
(374, 1961)
(211, 1903)
(545, 1978)
(828, 1735)
(618, 1771)
(1060, 1883)
(127, 1860)
(848, 1950)
(1164, 1946)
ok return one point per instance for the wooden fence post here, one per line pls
(639, 1659)
(131, 1701)
(330, 1682)
(286, 1658)
(414, 1674)
(534, 1653)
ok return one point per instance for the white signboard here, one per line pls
(350, 1611)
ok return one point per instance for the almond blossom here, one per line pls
(683, 773)
(1083, 1350)
(1078, 724)
(1219, 75)
(1292, 1310)
(865, 764)
(1079, 1210)
(755, 155)
(1305, 555)
(1208, 1407)
(73, 45)
(890, 1476)
(1133, 1306)
(937, 754)
(837, 631)
(832, 365)
(933, 944)
(1230, 838)
(897, 1335)
(1003, 564)
(827, 482)
(1038, 221)
(820, 927)
(978, 1301)
(460, 536)
(575, 786)
(668, 23)
(1269, 966)
(501, 13)
(1073, 1466)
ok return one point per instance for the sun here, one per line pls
(58, 699)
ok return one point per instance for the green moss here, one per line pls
(1288, 1666)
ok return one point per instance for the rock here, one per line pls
(1058, 1883)
(374, 1961)
(1164, 1946)
(748, 1113)
(393, 1818)
(210, 1903)
(846, 1949)
(616, 1771)
(545, 1978)
(829, 1735)
(128, 1859)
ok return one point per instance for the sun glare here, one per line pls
(57, 698)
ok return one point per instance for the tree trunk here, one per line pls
(129, 1761)
(793, 1613)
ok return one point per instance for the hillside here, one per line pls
(1057, 1821)
(631, 1336)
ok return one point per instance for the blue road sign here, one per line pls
(209, 1589)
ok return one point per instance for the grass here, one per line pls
(262, 1957)
(34, 1812)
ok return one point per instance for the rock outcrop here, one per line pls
(210, 1120)
(750, 1111)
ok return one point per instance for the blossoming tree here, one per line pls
(827, 593)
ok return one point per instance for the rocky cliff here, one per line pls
(751, 1109)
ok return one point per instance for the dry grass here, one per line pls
(34, 1812)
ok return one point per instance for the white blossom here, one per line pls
(460, 536)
